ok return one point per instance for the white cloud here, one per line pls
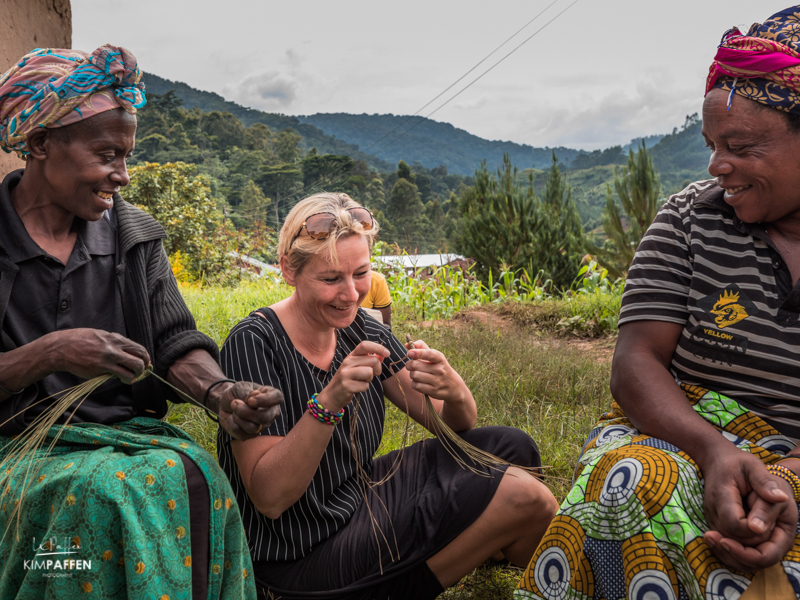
(267, 91)
(605, 72)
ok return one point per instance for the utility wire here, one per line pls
(470, 84)
(479, 77)
(453, 97)
(452, 85)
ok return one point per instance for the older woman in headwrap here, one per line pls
(118, 503)
(688, 488)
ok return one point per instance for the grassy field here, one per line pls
(524, 370)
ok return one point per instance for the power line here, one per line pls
(470, 84)
(448, 88)
(453, 97)
(479, 77)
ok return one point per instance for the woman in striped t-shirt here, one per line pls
(317, 526)
(685, 489)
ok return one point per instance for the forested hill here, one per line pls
(312, 136)
(430, 143)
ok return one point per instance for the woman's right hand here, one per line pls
(88, 353)
(754, 535)
(354, 375)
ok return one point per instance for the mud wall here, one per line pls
(29, 24)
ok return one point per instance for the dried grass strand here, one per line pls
(23, 452)
(453, 443)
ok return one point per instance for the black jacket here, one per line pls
(154, 311)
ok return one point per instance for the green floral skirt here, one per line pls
(106, 516)
(632, 526)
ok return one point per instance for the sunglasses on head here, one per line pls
(320, 225)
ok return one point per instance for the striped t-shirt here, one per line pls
(259, 350)
(699, 266)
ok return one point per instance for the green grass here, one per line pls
(592, 314)
(218, 309)
(522, 379)
(520, 374)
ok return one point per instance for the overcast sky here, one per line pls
(602, 73)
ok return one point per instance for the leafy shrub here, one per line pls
(448, 290)
(200, 241)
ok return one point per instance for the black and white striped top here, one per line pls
(699, 266)
(259, 350)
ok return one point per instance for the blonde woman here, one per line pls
(317, 528)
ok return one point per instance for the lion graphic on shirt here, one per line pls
(727, 310)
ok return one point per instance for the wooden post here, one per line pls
(29, 24)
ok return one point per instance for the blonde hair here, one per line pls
(304, 248)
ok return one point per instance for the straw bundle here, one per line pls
(452, 442)
(23, 453)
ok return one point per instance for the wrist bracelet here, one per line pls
(9, 392)
(321, 413)
(205, 396)
(787, 475)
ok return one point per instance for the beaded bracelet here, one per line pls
(322, 414)
(787, 475)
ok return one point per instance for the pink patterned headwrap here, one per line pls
(54, 87)
(764, 64)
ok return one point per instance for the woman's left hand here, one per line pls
(431, 374)
(772, 520)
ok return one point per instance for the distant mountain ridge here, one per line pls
(430, 143)
(677, 156)
(312, 136)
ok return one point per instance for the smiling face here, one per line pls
(84, 164)
(329, 294)
(754, 156)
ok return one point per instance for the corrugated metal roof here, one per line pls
(419, 261)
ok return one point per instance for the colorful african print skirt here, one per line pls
(632, 526)
(107, 516)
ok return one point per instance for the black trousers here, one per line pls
(199, 519)
(381, 553)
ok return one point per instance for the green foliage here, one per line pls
(404, 171)
(499, 220)
(590, 307)
(280, 181)
(505, 223)
(323, 171)
(683, 149)
(286, 146)
(181, 201)
(254, 203)
(560, 241)
(198, 237)
(609, 156)
(594, 301)
(403, 209)
(638, 188)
